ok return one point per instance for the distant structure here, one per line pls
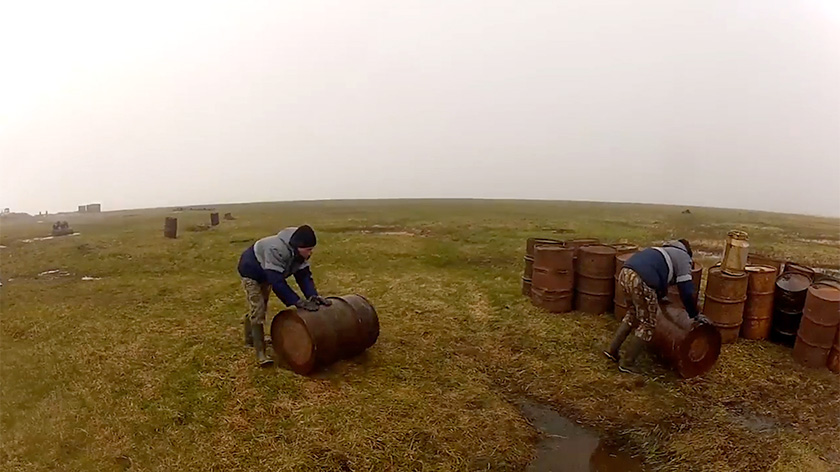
(7, 211)
(90, 208)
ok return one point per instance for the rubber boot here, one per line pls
(628, 361)
(257, 333)
(620, 335)
(246, 323)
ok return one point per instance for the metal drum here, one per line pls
(594, 279)
(796, 268)
(214, 219)
(758, 310)
(689, 346)
(554, 301)
(619, 300)
(834, 354)
(311, 339)
(170, 227)
(763, 260)
(818, 329)
(696, 278)
(788, 302)
(724, 303)
(624, 248)
(528, 272)
(735, 253)
(554, 278)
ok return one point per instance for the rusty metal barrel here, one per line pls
(528, 273)
(619, 300)
(764, 260)
(170, 227)
(689, 346)
(834, 354)
(578, 243)
(796, 268)
(214, 219)
(595, 279)
(696, 278)
(788, 303)
(820, 319)
(554, 278)
(724, 304)
(311, 339)
(758, 310)
(735, 253)
(624, 248)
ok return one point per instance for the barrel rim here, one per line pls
(292, 315)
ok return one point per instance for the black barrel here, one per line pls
(788, 302)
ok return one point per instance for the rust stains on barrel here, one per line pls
(724, 304)
(595, 279)
(735, 253)
(788, 302)
(758, 310)
(689, 346)
(528, 272)
(554, 278)
(170, 227)
(764, 260)
(311, 339)
(531, 243)
(624, 248)
(820, 319)
(834, 354)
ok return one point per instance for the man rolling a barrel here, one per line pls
(265, 266)
(645, 278)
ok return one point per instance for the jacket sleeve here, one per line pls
(281, 288)
(687, 296)
(305, 282)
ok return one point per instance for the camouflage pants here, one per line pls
(257, 295)
(642, 304)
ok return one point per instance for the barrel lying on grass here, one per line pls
(311, 339)
(689, 346)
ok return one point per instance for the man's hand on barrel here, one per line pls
(321, 300)
(308, 305)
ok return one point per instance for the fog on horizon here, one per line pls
(711, 103)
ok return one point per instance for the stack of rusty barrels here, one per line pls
(619, 300)
(726, 294)
(758, 310)
(788, 303)
(818, 329)
(595, 279)
(553, 277)
(696, 278)
(528, 273)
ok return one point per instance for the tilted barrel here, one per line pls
(690, 346)
(696, 278)
(820, 319)
(724, 303)
(735, 253)
(758, 310)
(311, 339)
(788, 302)
(554, 278)
(595, 279)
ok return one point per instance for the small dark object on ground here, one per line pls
(686, 212)
(228, 216)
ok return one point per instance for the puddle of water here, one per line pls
(565, 446)
(46, 238)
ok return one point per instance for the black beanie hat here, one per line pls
(303, 237)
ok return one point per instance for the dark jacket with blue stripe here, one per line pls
(273, 259)
(658, 272)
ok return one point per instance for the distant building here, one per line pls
(90, 208)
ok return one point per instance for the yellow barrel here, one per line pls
(735, 253)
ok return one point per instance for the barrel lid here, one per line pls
(718, 271)
(825, 291)
(598, 249)
(736, 234)
(793, 282)
(624, 257)
(760, 269)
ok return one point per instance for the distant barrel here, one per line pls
(735, 253)
(758, 310)
(696, 278)
(229, 216)
(214, 219)
(788, 302)
(619, 300)
(689, 346)
(311, 339)
(554, 278)
(595, 279)
(796, 268)
(170, 227)
(724, 303)
(818, 329)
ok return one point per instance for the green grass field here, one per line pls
(144, 368)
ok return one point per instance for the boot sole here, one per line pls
(610, 356)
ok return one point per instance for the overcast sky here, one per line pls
(143, 104)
